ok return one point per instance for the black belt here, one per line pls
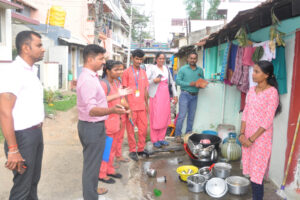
(191, 93)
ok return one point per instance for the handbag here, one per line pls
(169, 84)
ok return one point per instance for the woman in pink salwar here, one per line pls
(159, 78)
(262, 104)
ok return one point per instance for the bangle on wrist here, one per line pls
(250, 140)
(13, 152)
(12, 146)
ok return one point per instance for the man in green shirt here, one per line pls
(186, 79)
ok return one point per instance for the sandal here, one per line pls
(122, 159)
(102, 191)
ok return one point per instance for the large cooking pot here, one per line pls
(222, 169)
(237, 185)
(201, 162)
(196, 183)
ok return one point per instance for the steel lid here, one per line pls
(216, 187)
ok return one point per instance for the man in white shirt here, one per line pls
(21, 116)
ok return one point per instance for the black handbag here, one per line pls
(169, 84)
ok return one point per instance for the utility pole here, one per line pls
(98, 20)
(129, 43)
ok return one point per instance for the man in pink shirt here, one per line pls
(136, 79)
(92, 112)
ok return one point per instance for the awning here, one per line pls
(23, 19)
(9, 5)
(73, 40)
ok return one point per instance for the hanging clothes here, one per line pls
(268, 54)
(238, 66)
(211, 55)
(247, 56)
(232, 56)
(280, 70)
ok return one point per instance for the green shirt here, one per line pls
(186, 75)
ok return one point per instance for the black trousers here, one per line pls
(257, 191)
(31, 146)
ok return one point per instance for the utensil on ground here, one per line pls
(183, 171)
(216, 187)
(196, 183)
(222, 170)
(237, 185)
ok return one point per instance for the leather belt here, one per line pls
(40, 125)
(191, 93)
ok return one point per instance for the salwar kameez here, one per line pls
(259, 112)
(160, 114)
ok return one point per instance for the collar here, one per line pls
(24, 64)
(91, 72)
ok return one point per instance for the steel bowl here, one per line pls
(222, 170)
(237, 185)
(196, 183)
(204, 171)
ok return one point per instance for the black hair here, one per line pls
(25, 37)
(157, 55)
(109, 65)
(92, 50)
(191, 53)
(119, 63)
(268, 68)
(138, 53)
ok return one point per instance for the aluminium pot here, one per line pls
(222, 170)
(204, 171)
(237, 185)
(196, 183)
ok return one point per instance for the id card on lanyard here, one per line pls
(136, 78)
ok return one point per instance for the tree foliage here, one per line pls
(139, 23)
(194, 8)
(212, 13)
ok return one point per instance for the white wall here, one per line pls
(60, 54)
(281, 121)
(5, 47)
(49, 75)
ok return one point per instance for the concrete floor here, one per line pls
(176, 189)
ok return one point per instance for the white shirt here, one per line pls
(21, 80)
(152, 72)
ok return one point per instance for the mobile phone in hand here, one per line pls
(159, 76)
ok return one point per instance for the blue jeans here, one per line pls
(187, 105)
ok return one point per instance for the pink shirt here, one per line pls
(129, 79)
(90, 94)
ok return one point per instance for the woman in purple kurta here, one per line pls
(262, 104)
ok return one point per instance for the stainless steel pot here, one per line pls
(196, 183)
(204, 171)
(222, 170)
(237, 185)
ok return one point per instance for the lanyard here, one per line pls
(136, 78)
